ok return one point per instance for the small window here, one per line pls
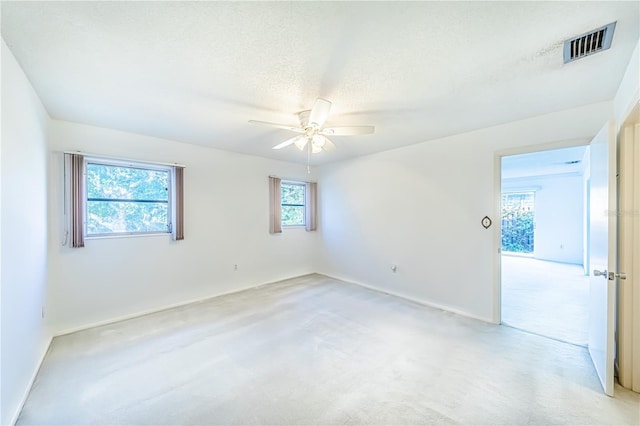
(125, 198)
(518, 222)
(293, 207)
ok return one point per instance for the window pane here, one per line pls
(518, 217)
(293, 204)
(126, 199)
(292, 215)
(115, 182)
(292, 194)
(105, 217)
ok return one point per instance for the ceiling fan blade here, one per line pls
(279, 126)
(328, 145)
(319, 112)
(287, 142)
(301, 142)
(348, 130)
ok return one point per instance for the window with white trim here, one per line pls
(293, 203)
(124, 198)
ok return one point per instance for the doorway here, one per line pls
(544, 288)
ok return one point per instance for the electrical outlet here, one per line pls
(235, 267)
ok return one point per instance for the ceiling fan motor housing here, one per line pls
(303, 117)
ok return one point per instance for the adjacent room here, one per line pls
(294, 212)
(544, 275)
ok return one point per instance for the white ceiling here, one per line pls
(197, 71)
(545, 163)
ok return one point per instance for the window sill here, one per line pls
(516, 254)
(106, 237)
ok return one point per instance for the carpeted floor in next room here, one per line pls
(546, 298)
(314, 350)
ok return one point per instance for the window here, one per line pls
(119, 197)
(518, 210)
(293, 203)
(125, 198)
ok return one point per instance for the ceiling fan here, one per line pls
(313, 134)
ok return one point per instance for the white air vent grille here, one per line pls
(589, 43)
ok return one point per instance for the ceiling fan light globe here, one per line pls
(301, 142)
(315, 149)
(319, 141)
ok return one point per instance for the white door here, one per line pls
(602, 256)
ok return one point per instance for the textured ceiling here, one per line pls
(197, 71)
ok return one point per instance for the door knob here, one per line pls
(609, 275)
(597, 273)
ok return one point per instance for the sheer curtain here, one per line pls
(311, 205)
(275, 205)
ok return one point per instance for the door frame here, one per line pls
(497, 233)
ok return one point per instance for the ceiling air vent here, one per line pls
(589, 43)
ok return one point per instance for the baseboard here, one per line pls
(253, 286)
(414, 299)
(27, 390)
(167, 307)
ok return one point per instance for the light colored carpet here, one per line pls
(547, 298)
(314, 350)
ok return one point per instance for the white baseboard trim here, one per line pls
(414, 299)
(166, 307)
(27, 390)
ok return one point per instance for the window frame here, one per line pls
(303, 205)
(101, 161)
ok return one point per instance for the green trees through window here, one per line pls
(124, 199)
(518, 222)
(293, 198)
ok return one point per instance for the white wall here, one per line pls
(628, 93)
(559, 205)
(420, 207)
(226, 213)
(25, 336)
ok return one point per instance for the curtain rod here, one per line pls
(111, 157)
(292, 179)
